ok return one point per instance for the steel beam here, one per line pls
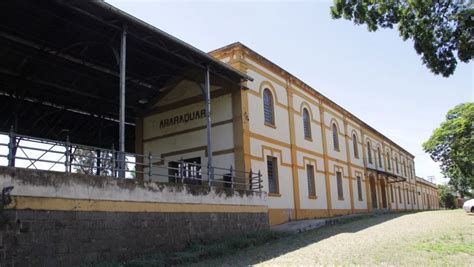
(17, 75)
(207, 97)
(79, 61)
(123, 57)
(190, 59)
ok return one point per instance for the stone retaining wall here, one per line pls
(59, 219)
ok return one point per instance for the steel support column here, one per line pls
(123, 56)
(207, 97)
(11, 148)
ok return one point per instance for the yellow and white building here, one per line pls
(427, 195)
(317, 159)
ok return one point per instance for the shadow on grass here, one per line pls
(294, 242)
(199, 250)
(270, 244)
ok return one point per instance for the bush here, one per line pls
(446, 197)
(449, 201)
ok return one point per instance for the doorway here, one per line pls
(384, 194)
(373, 192)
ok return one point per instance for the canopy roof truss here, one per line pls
(59, 69)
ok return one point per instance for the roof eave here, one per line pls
(210, 60)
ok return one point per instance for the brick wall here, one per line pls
(58, 219)
(67, 238)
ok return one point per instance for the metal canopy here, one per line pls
(59, 69)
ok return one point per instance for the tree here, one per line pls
(437, 28)
(85, 162)
(452, 145)
(446, 197)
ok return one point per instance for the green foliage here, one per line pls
(452, 145)
(86, 162)
(446, 197)
(448, 244)
(437, 28)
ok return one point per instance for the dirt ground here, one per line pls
(423, 239)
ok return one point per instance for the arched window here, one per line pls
(306, 124)
(268, 109)
(355, 146)
(335, 137)
(380, 156)
(369, 152)
(388, 161)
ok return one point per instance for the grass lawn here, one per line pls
(429, 238)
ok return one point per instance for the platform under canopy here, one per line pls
(59, 69)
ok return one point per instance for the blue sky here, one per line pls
(376, 76)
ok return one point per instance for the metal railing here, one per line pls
(44, 154)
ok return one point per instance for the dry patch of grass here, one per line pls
(432, 238)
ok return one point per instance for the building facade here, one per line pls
(316, 158)
(427, 195)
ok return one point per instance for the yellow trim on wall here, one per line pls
(65, 204)
(310, 152)
(266, 75)
(340, 212)
(279, 216)
(349, 167)
(269, 140)
(240, 128)
(294, 160)
(189, 130)
(273, 152)
(185, 102)
(310, 110)
(306, 98)
(272, 90)
(298, 148)
(312, 213)
(326, 164)
(368, 197)
(273, 75)
(314, 102)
